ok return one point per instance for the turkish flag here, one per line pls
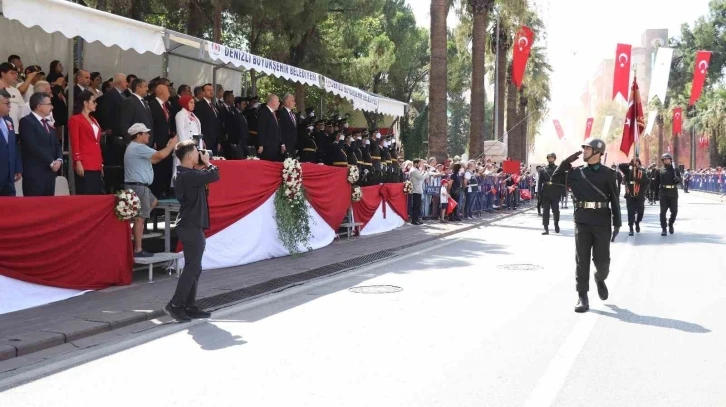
(511, 166)
(520, 54)
(677, 121)
(634, 120)
(699, 75)
(588, 128)
(558, 128)
(622, 70)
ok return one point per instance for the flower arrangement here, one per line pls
(407, 187)
(127, 206)
(252, 158)
(292, 216)
(353, 174)
(357, 194)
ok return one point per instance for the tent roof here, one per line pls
(65, 17)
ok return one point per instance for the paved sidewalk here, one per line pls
(34, 334)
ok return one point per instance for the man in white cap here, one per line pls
(139, 174)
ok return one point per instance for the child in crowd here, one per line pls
(444, 199)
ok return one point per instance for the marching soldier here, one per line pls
(549, 194)
(652, 187)
(594, 190)
(636, 182)
(667, 180)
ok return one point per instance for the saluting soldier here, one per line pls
(308, 147)
(667, 180)
(595, 195)
(636, 182)
(395, 165)
(340, 158)
(375, 152)
(366, 163)
(549, 194)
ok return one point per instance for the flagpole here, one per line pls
(637, 136)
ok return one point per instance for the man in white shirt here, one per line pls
(417, 176)
(8, 81)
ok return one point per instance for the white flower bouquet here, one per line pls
(357, 194)
(353, 174)
(292, 180)
(127, 206)
(407, 187)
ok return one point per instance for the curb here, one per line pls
(27, 344)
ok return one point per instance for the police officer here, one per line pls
(666, 180)
(595, 195)
(190, 188)
(550, 194)
(636, 182)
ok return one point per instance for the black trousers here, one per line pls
(8, 189)
(548, 204)
(686, 184)
(539, 204)
(636, 208)
(668, 203)
(91, 183)
(40, 186)
(591, 241)
(416, 207)
(194, 242)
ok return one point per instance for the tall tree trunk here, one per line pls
(659, 122)
(503, 44)
(195, 24)
(523, 125)
(713, 158)
(438, 80)
(217, 28)
(136, 10)
(675, 149)
(480, 10)
(514, 145)
(300, 97)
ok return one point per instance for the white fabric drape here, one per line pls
(18, 295)
(379, 224)
(33, 45)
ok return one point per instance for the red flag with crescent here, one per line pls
(558, 129)
(588, 128)
(520, 54)
(622, 70)
(677, 121)
(699, 75)
(634, 120)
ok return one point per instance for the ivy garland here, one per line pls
(292, 216)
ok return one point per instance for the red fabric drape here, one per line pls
(393, 194)
(66, 241)
(327, 191)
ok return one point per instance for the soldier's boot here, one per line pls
(583, 304)
(637, 227)
(670, 228)
(631, 229)
(664, 232)
(557, 227)
(602, 290)
(547, 231)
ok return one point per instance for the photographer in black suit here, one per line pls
(190, 187)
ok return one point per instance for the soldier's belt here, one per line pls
(252, 132)
(668, 186)
(387, 161)
(592, 205)
(549, 182)
(376, 157)
(365, 163)
(310, 149)
(340, 163)
(631, 182)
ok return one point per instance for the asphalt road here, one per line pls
(464, 331)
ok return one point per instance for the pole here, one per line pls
(693, 140)
(63, 129)
(496, 87)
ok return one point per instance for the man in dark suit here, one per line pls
(288, 124)
(42, 155)
(11, 165)
(236, 127)
(161, 115)
(209, 116)
(135, 109)
(269, 138)
(109, 117)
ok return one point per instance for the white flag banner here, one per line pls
(361, 100)
(660, 75)
(651, 122)
(606, 126)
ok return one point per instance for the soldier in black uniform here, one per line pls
(339, 156)
(250, 114)
(397, 173)
(349, 148)
(549, 194)
(308, 150)
(619, 177)
(636, 182)
(652, 187)
(666, 180)
(594, 190)
(366, 163)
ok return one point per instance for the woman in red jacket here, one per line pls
(85, 135)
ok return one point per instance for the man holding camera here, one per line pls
(139, 174)
(190, 186)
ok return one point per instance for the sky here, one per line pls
(581, 33)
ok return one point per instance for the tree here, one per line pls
(437, 80)
(480, 12)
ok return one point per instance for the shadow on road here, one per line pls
(633, 318)
(212, 337)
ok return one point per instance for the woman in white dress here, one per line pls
(187, 125)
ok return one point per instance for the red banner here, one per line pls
(558, 129)
(699, 75)
(622, 70)
(511, 166)
(634, 121)
(373, 195)
(588, 128)
(677, 121)
(520, 54)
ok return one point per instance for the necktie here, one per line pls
(45, 124)
(213, 109)
(292, 117)
(166, 111)
(146, 105)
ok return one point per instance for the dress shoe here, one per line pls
(177, 313)
(582, 303)
(602, 290)
(631, 232)
(557, 228)
(637, 227)
(670, 228)
(196, 313)
(546, 232)
(664, 233)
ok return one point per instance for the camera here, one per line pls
(202, 152)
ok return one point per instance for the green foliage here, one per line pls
(293, 221)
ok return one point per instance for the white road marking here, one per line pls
(549, 385)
